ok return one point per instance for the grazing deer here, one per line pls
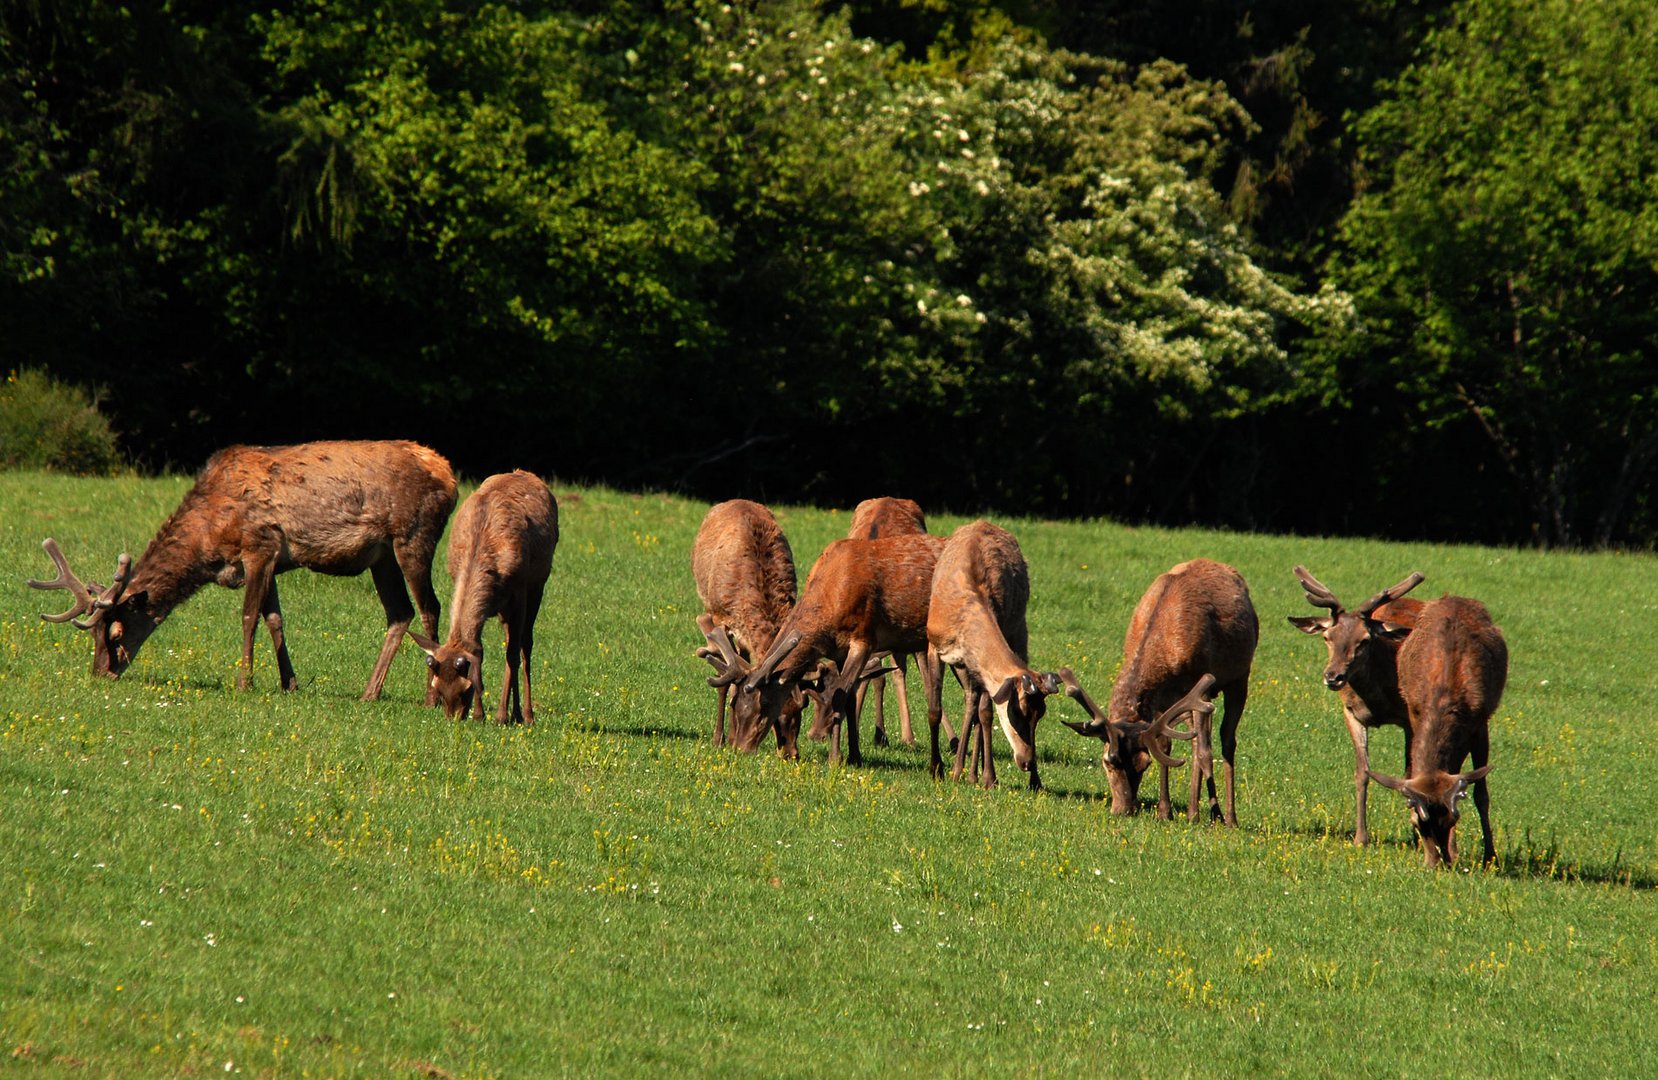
(745, 578)
(500, 553)
(333, 507)
(1452, 670)
(1194, 621)
(976, 624)
(862, 598)
(871, 520)
(1363, 668)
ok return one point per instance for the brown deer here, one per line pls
(1196, 620)
(1363, 668)
(745, 578)
(871, 520)
(333, 507)
(862, 598)
(1452, 670)
(500, 553)
(976, 624)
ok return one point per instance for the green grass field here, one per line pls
(200, 881)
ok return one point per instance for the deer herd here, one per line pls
(887, 592)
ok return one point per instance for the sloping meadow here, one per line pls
(199, 880)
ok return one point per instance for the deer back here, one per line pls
(981, 581)
(502, 543)
(1197, 619)
(886, 516)
(870, 591)
(1452, 671)
(744, 573)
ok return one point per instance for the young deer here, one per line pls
(872, 520)
(255, 512)
(500, 553)
(1452, 670)
(976, 624)
(745, 578)
(1194, 621)
(1363, 668)
(862, 598)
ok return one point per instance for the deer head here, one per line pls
(769, 706)
(834, 693)
(1020, 702)
(1434, 810)
(453, 673)
(119, 624)
(1351, 636)
(1130, 746)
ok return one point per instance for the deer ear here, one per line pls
(1005, 691)
(427, 645)
(1310, 624)
(1393, 631)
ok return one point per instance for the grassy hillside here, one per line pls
(301, 884)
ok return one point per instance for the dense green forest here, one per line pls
(1385, 267)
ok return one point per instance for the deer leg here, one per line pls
(1165, 807)
(856, 657)
(1361, 775)
(987, 732)
(906, 730)
(1202, 758)
(968, 714)
(1237, 695)
(526, 638)
(510, 710)
(720, 693)
(388, 582)
(879, 685)
(1480, 754)
(932, 687)
(271, 609)
(260, 576)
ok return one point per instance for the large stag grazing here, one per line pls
(873, 519)
(500, 553)
(1452, 670)
(1363, 668)
(333, 507)
(862, 598)
(745, 578)
(976, 624)
(1448, 665)
(1192, 637)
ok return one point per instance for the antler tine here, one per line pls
(730, 665)
(66, 579)
(1074, 690)
(1318, 594)
(1387, 596)
(1195, 701)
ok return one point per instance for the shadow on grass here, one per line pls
(1528, 860)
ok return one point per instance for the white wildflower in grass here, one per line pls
(897, 927)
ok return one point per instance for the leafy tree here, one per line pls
(1505, 245)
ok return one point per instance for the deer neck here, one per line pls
(1372, 692)
(991, 658)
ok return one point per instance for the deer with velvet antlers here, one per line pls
(1363, 668)
(1192, 637)
(976, 625)
(1438, 669)
(745, 578)
(862, 598)
(332, 507)
(500, 553)
(873, 519)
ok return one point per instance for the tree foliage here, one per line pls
(1060, 258)
(1506, 245)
